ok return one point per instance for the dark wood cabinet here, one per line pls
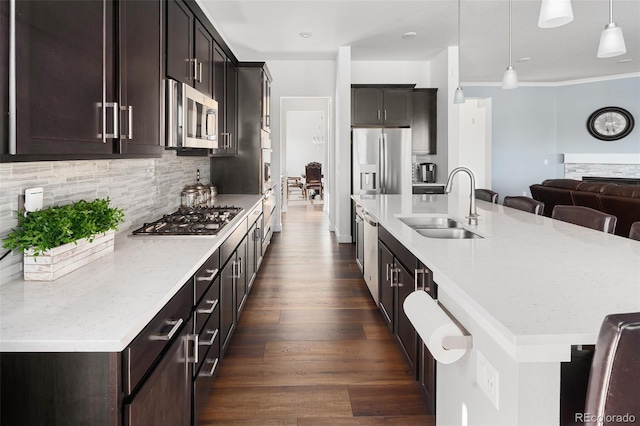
(189, 48)
(203, 54)
(226, 94)
(381, 105)
(241, 174)
(87, 80)
(141, 75)
(241, 276)
(180, 24)
(424, 118)
(399, 273)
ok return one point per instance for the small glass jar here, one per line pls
(190, 197)
(213, 193)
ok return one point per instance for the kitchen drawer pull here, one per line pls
(209, 342)
(214, 303)
(192, 338)
(176, 326)
(213, 368)
(213, 273)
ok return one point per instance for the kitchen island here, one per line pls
(528, 291)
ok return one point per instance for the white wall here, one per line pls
(295, 79)
(302, 127)
(440, 77)
(391, 72)
(342, 153)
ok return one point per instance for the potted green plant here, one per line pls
(60, 239)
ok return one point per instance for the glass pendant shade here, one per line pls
(510, 78)
(555, 13)
(458, 97)
(611, 41)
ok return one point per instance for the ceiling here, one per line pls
(262, 30)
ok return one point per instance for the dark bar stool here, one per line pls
(525, 204)
(585, 216)
(487, 195)
(634, 233)
(615, 370)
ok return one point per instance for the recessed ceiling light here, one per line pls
(523, 60)
(409, 35)
(624, 61)
(305, 34)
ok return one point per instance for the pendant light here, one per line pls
(611, 39)
(458, 97)
(555, 13)
(510, 78)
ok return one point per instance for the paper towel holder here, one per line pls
(457, 342)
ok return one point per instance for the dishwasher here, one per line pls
(371, 255)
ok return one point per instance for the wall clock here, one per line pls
(610, 123)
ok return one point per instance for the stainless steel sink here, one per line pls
(430, 222)
(448, 233)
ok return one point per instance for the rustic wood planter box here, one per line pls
(61, 260)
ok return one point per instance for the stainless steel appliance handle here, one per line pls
(211, 371)
(209, 342)
(369, 219)
(212, 308)
(383, 163)
(176, 326)
(213, 273)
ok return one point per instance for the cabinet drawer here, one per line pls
(205, 276)
(229, 246)
(208, 306)
(208, 342)
(141, 354)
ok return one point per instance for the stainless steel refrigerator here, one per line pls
(381, 161)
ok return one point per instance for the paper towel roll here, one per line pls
(432, 324)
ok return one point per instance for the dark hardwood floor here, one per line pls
(311, 347)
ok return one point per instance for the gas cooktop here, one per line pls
(191, 221)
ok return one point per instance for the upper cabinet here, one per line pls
(88, 80)
(424, 121)
(226, 94)
(381, 105)
(189, 48)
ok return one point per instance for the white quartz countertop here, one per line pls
(535, 284)
(102, 306)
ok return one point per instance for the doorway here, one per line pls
(305, 138)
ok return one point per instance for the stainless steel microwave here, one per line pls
(192, 117)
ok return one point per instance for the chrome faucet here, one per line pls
(473, 213)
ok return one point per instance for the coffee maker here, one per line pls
(428, 172)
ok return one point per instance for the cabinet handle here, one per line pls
(214, 335)
(235, 269)
(116, 116)
(378, 115)
(396, 271)
(388, 277)
(239, 267)
(212, 308)
(130, 122)
(256, 234)
(176, 326)
(212, 370)
(200, 72)
(385, 115)
(192, 338)
(213, 273)
(424, 272)
(194, 70)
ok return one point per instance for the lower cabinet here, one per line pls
(401, 273)
(164, 377)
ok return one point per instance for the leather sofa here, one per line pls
(622, 201)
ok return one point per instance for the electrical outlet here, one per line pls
(488, 378)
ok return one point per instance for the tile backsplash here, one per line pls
(143, 188)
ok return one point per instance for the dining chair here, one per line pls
(526, 204)
(634, 233)
(313, 178)
(486, 195)
(585, 216)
